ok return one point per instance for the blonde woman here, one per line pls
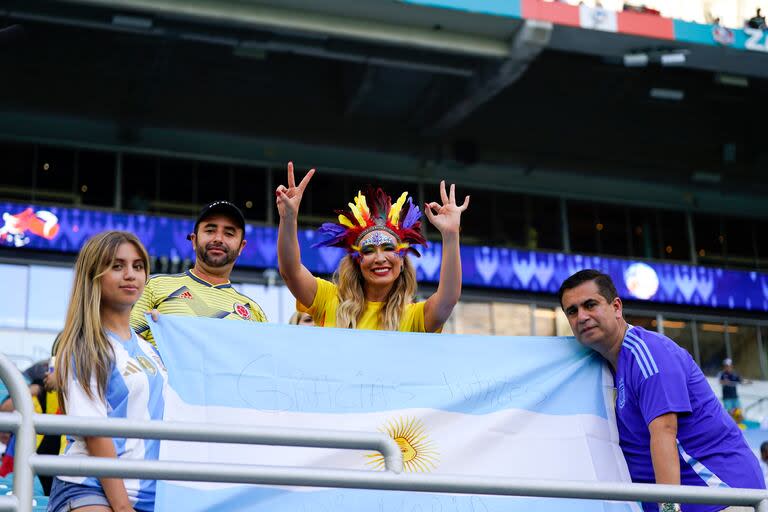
(375, 282)
(105, 370)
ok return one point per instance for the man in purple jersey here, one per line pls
(672, 428)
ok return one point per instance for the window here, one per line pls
(680, 331)
(673, 233)
(710, 239)
(96, 178)
(474, 318)
(511, 319)
(477, 223)
(546, 321)
(761, 239)
(644, 238)
(744, 350)
(213, 183)
(510, 223)
(250, 193)
(740, 242)
(327, 193)
(583, 227)
(612, 230)
(711, 337)
(16, 169)
(139, 182)
(177, 184)
(55, 173)
(544, 223)
(562, 324)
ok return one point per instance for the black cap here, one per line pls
(224, 208)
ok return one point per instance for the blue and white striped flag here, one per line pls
(528, 407)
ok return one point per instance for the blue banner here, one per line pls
(28, 226)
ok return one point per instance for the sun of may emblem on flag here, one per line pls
(419, 452)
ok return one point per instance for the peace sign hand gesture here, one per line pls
(289, 198)
(446, 217)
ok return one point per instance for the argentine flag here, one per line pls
(520, 407)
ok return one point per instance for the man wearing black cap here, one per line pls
(204, 290)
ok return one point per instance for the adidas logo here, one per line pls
(185, 295)
(132, 368)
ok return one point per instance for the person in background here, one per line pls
(105, 370)
(730, 380)
(764, 460)
(299, 318)
(757, 21)
(44, 401)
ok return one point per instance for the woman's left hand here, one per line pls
(446, 217)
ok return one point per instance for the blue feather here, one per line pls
(334, 234)
(414, 214)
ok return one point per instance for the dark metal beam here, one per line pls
(525, 47)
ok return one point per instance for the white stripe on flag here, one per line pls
(460, 443)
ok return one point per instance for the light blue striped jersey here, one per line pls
(655, 376)
(135, 390)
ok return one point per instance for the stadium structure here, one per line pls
(629, 141)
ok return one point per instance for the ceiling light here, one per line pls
(672, 59)
(667, 94)
(635, 60)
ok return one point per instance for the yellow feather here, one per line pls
(344, 221)
(358, 216)
(362, 204)
(394, 212)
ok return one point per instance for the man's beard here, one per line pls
(216, 261)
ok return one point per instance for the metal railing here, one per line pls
(26, 425)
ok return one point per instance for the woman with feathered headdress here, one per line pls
(375, 282)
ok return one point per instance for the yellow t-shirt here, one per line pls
(323, 311)
(188, 295)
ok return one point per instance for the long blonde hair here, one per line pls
(350, 283)
(83, 347)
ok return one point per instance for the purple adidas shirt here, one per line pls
(656, 376)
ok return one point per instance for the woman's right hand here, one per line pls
(289, 198)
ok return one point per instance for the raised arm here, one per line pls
(447, 219)
(299, 280)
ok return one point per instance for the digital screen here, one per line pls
(29, 227)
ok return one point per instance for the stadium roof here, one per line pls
(437, 87)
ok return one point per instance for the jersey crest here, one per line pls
(242, 311)
(147, 365)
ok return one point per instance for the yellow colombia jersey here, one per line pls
(188, 295)
(323, 311)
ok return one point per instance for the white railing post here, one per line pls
(24, 433)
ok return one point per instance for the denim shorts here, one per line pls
(66, 496)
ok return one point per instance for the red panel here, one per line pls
(646, 25)
(556, 12)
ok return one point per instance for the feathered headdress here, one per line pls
(401, 220)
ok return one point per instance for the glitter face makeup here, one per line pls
(378, 238)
